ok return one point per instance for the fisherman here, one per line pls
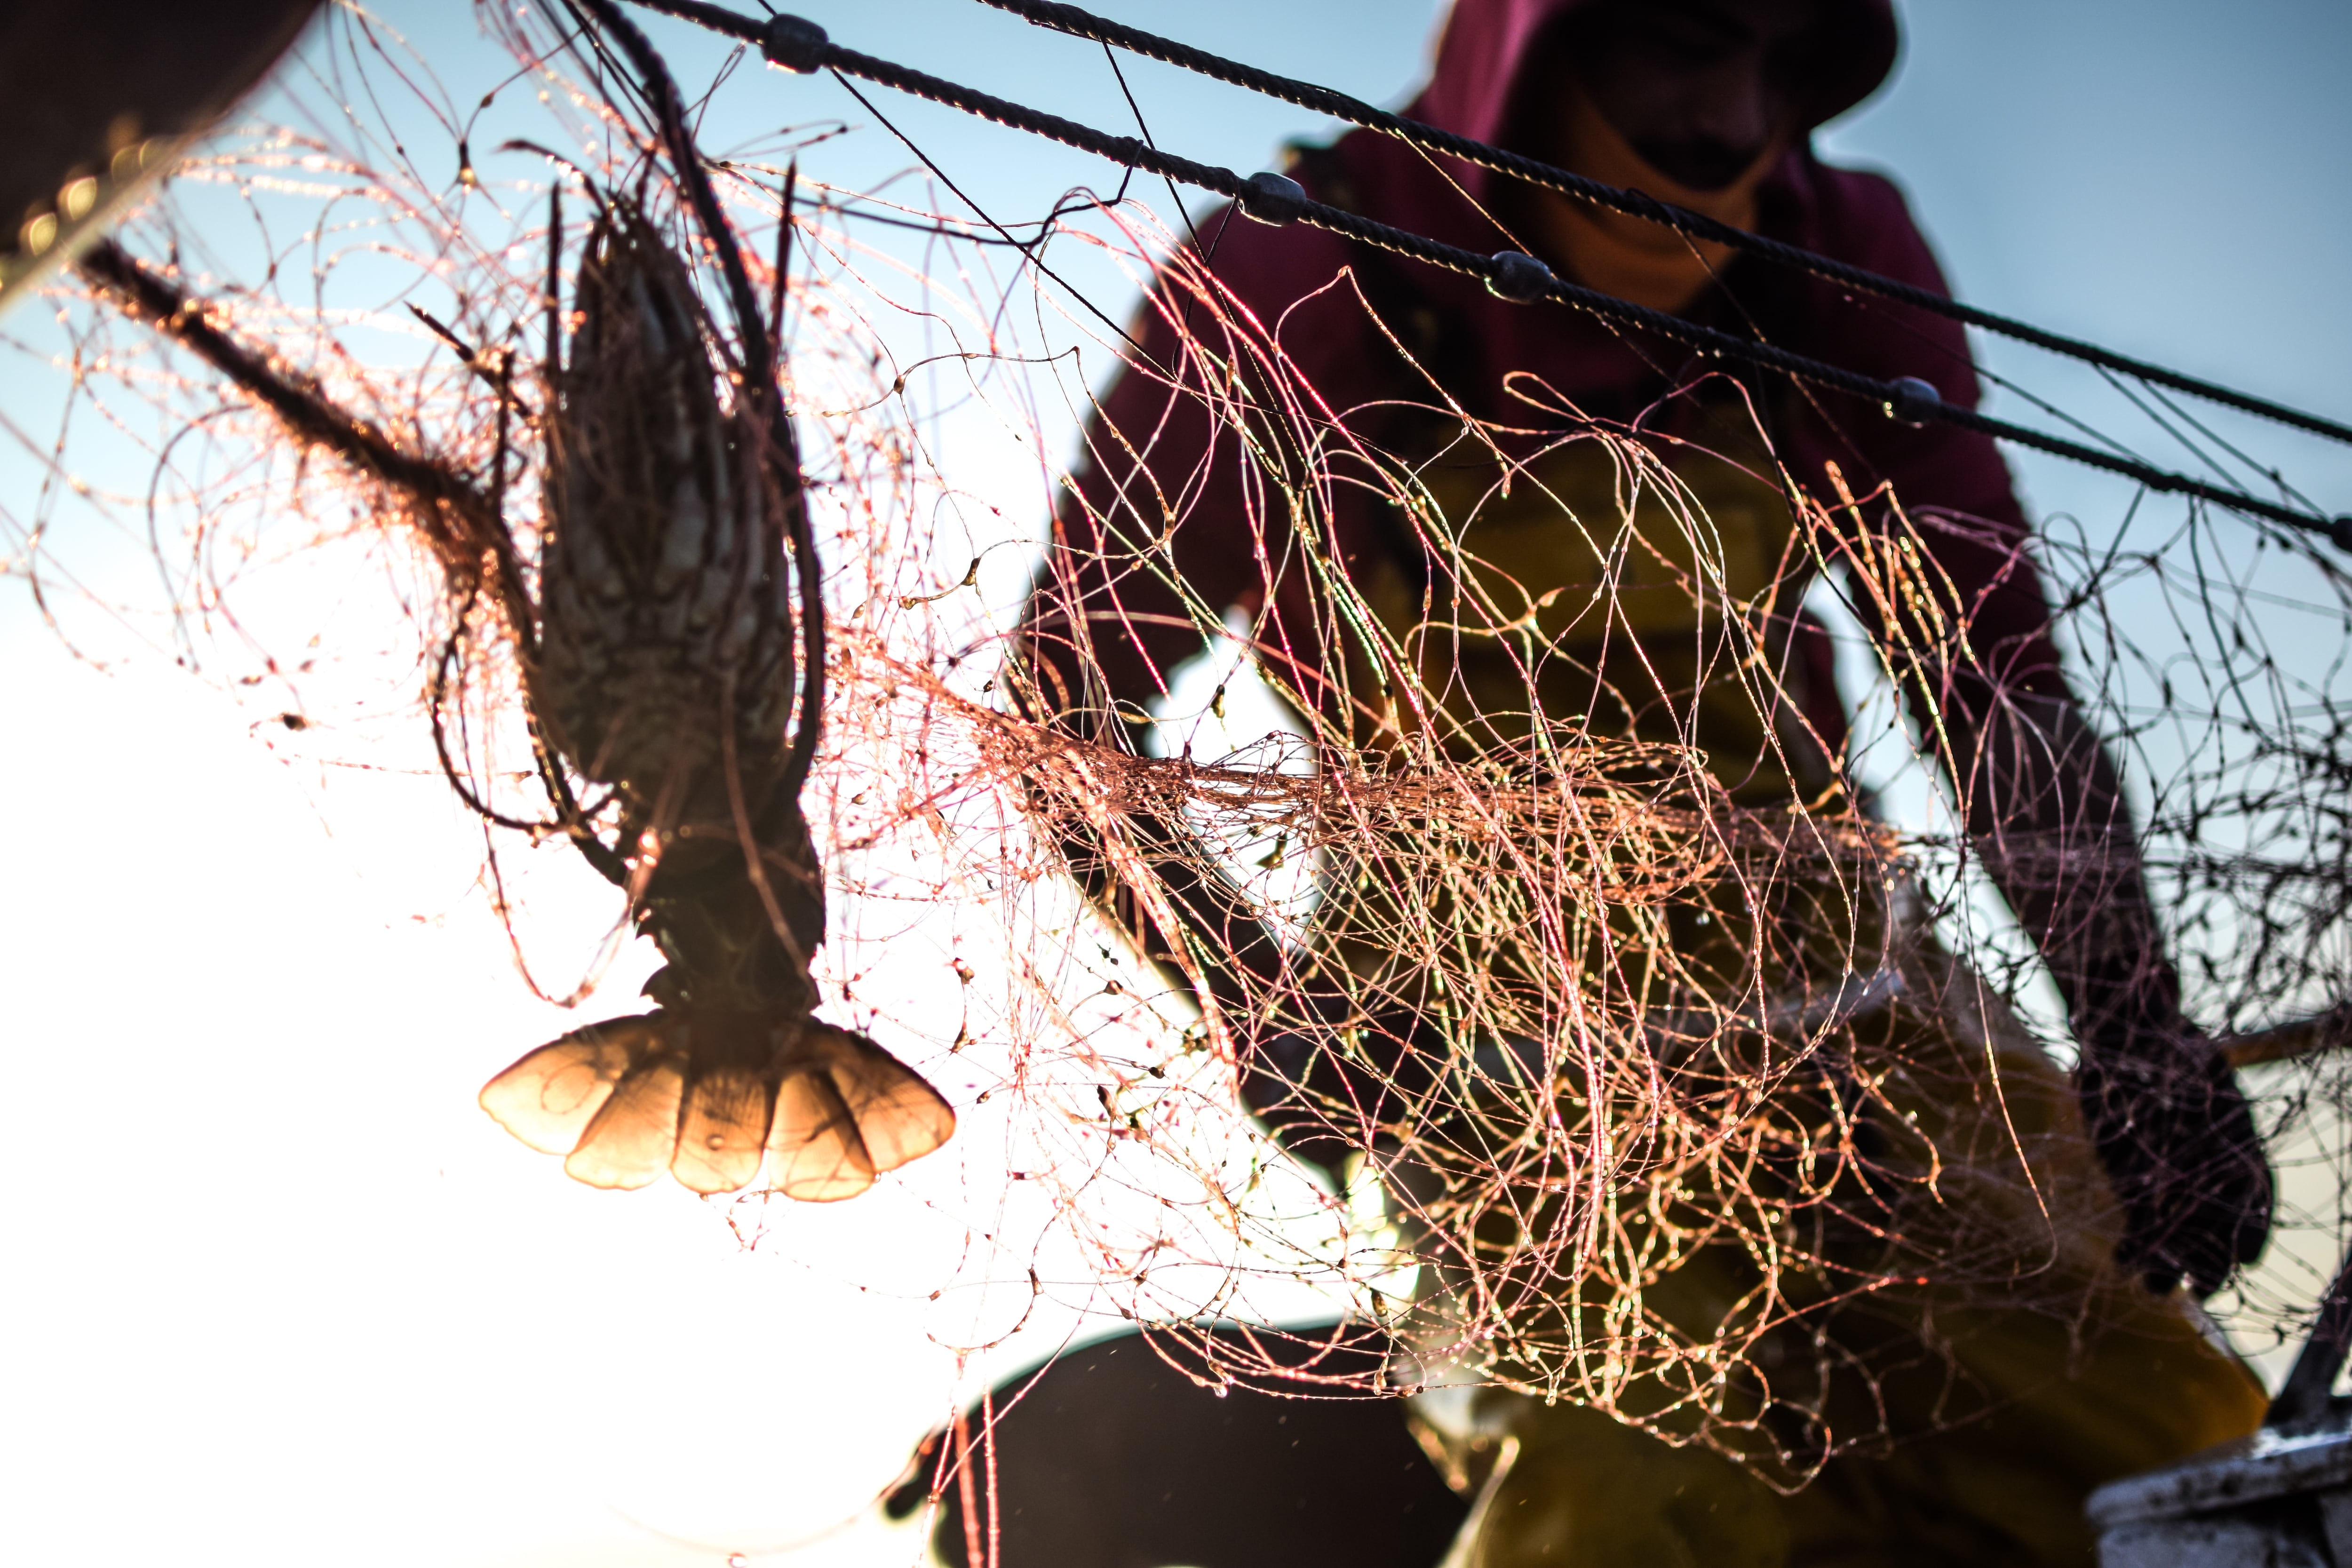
(1710, 105)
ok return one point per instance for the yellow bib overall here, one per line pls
(1597, 591)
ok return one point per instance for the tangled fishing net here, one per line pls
(1571, 1064)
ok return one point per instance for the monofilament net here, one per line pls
(1618, 1075)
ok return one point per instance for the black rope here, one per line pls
(1077, 23)
(801, 45)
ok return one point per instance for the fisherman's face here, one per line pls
(1700, 88)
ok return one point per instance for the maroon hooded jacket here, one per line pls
(1953, 482)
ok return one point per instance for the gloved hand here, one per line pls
(2179, 1142)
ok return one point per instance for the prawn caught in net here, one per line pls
(652, 641)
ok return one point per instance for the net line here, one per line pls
(1075, 21)
(801, 45)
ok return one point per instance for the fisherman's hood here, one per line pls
(1485, 43)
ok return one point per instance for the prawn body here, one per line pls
(663, 594)
(665, 671)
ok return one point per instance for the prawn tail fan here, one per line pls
(711, 1101)
(847, 1110)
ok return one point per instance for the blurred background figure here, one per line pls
(1990, 1439)
(1114, 1456)
(95, 99)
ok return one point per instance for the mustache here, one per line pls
(1698, 163)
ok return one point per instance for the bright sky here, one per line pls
(281, 1294)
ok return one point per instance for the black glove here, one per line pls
(2179, 1142)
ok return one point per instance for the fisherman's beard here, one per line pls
(1631, 257)
(1700, 163)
